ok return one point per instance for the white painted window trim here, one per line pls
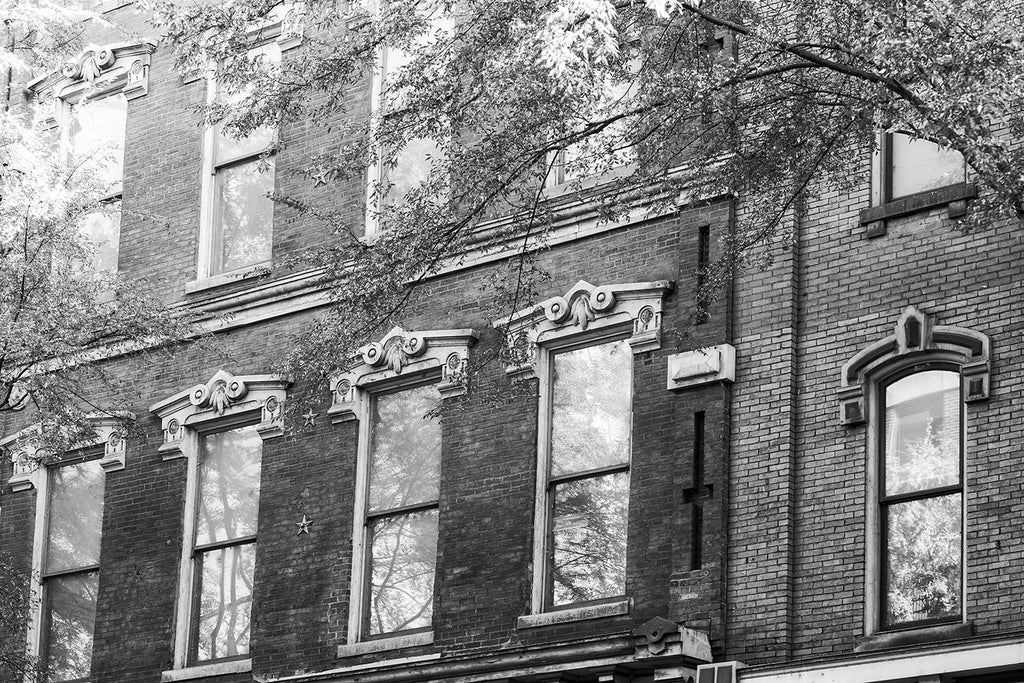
(223, 668)
(224, 402)
(585, 316)
(400, 360)
(374, 167)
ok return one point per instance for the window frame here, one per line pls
(39, 624)
(376, 176)
(542, 596)
(362, 555)
(223, 403)
(211, 232)
(193, 494)
(881, 503)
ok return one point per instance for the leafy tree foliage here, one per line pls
(642, 106)
(57, 313)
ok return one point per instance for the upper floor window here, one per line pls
(397, 171)
(609, 148)
(581, 346)
(224, 549)
(95, 141)
(238, 179)
(913, 165)
(587, 407)
(219, 427)
(400, 518)
(69, 576)
(396, 393)
(921, 498)
(917, 382)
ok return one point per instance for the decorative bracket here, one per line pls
(585, 307)
(916, 333)
(401, 355)
(96, 72)
(225, 399)
(27, 451)
(660, 637)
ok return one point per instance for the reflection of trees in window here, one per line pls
(588, 485)
(242, 212)
(401, 517)
(922, 498)
(225, 545)
(71, 568)
(244, 215)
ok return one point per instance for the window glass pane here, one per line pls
(922, 432)
(589, 538)
(411, 167)
(405, 448)
(229, 485)
(919, 165)
(102, 230)
(244, 216)
(590, 407)
(70, 618)
(225, 601)
(403, 550)
(228, 148)
(924, 551)
(75, 516)
(97, 140)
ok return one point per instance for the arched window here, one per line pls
(911, 388)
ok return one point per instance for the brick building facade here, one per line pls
(748, 478)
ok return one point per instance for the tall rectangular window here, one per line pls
(95, 143)
(399, 171)
(70, 568)
(921, 499)
(400, 516)
(588, 405)
(238, 212)
(224, 550)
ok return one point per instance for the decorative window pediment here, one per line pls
(27, 452)
(399, 357)
(223, 401)
(585, 308)
(917, 334)
(96, 72)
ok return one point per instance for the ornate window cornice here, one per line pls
(400, 357)
(98, 71)
(27, 452)
(916, 335)
(585, 308)
(223, 401)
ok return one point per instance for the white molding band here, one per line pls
(396, 642)
(223, 399)
(27, 452)
(957, 659)
(585, 307)
(399, 357)
(235, 666)
(581, 613)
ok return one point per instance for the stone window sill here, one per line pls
(583, 613)
(249, 272)
(954, 197)
(917, 636)
(235, 666)
(367, 647)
